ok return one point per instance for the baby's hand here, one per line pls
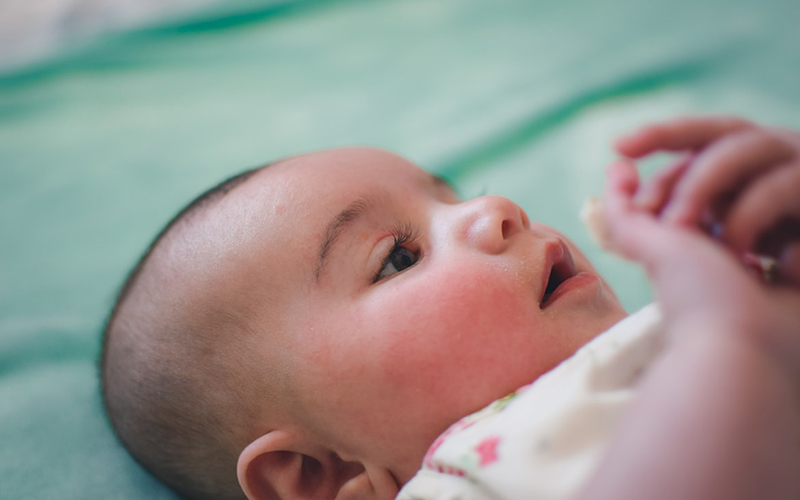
(701, 285)
(739, 181)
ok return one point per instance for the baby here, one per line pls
(308, 329)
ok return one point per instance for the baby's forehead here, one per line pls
(346, 170)
(327, 164)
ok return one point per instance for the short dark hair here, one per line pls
(163, 454)
(205, 198)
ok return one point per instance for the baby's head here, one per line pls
(311, 327)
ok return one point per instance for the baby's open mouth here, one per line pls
(562, 269)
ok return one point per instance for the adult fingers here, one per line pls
(693, 133)
(762, 206)
(722, 168)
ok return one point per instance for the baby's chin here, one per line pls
(599, 313)
(583, 320)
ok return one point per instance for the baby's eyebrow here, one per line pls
(344, 219)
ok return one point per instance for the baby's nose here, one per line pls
(492, 222)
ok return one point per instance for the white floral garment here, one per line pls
(544, 440)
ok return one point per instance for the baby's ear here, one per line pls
(277, 466)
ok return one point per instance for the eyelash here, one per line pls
(404, 235)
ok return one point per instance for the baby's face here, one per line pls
(396, 308)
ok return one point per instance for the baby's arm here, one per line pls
(718, 416)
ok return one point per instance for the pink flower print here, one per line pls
(487, 450)
(462, 424)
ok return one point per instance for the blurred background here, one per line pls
(115, 113)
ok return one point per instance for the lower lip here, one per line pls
(577, 282)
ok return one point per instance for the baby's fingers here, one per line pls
(622, 181)
(722, 168)
(771, 199)
(688, 271)
(677, 135)
(633, 232)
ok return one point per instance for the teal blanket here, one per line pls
(102, 142)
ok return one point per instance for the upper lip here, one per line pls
(558, 267)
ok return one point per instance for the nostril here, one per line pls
(506, 227)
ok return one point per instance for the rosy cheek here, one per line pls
(457, 330)
(445, 305)
(483, 299)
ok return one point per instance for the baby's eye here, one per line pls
(399, 259)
